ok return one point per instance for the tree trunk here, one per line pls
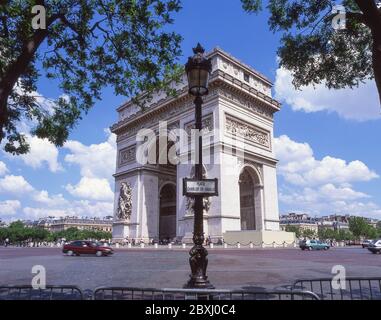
(16, 69)
(372, 16)
(376, 55)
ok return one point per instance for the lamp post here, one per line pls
(198, 69)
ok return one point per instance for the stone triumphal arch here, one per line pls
(238, 133)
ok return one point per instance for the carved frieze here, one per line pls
(131, 127)
(246, 103)
(247, 131)
(207, 125)
(153, 119)
(127, 155)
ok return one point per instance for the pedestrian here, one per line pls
(6, 242)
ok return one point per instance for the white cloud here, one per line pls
(77, 208)
(93, 209)
(3, 168)
(9, 207)
(321, 186)
(91, 188)
(313, 202)
(329, 191)
(298, 166)
(93, 191)
(326, 193)
(36, 213)
(41, 152)
(15, 185)
(43, 197)
(96, 160)
(358, 104)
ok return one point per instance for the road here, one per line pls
(164, 268)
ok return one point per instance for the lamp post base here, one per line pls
(198, 283)
(198, 262)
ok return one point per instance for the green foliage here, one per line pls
(17, 232)
(308, 233)
(76, 234)
(316, 53)
(372, 233)
(344, 235)
(338, 235)
(295, 229)
(88, 45)
(4, 234)
(360, 228)
(252, 5)
(326, 233)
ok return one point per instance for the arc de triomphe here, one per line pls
(238, 121)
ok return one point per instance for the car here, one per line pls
(366, 243)
(313, 245)
(375, 246)
(80, 247)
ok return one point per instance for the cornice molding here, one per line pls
(220, 87)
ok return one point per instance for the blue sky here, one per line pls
(327, 142)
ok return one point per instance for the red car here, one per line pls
(86, 247)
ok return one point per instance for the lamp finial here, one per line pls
(198, 49)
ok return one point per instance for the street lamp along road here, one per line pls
(198, 69)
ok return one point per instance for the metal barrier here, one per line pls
(351, 288)
(27, 292)
(124, 293)
(360, 288)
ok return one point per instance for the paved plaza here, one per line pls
(165, 268)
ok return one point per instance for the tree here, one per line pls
(371, 232)
(326, 233)
(308, 233)
(358, 226)
(86, 45)
(295, 229)
(3, 234)
(344, 235)
(314, 52)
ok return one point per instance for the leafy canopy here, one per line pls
(18, 232)
(315, 52)
(360, 228)
(86, 46)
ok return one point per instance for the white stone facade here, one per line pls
(238, 115)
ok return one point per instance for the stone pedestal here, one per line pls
(123, 229)
(265, 237)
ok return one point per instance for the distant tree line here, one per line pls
(17, 232)
(358, 228)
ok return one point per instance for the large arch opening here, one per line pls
(167, 216)
(248, 196)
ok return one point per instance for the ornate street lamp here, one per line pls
(198, 69)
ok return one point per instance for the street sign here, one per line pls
(204, 187)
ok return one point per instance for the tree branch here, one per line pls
(17, 68)
(372, 14)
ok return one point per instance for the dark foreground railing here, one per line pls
(349, 289)
(120, 293)
(27, 292)
(303, 289)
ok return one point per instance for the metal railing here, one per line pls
(125, 293)
(27, 292)
(359, 288)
